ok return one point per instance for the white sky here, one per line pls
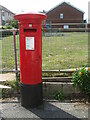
(18, 6)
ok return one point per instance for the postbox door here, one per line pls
(31, 63)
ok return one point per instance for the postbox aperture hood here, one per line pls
(31, 15)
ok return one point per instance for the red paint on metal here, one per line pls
(30, 60)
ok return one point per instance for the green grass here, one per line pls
(7, 52)
(68, 51)
(8, 56)
(58, 52)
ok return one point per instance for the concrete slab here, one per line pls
(49, 109)
(3, 86)
(66, 87)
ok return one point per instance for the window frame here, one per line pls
(61, 15)
(66, 26)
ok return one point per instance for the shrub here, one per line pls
(18, 77)
(58, 95)
(81, 79)
(2, 27)
(14, 91)
(13, 23)
(11, 84)
(9, 27)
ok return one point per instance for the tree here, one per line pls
(12, 23)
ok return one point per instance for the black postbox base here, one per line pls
(31, 95)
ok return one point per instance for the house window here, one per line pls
(61, 15)
(3, 13)
(66, 26)
(3, 18)
(8, 14)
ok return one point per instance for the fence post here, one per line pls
(15, 52)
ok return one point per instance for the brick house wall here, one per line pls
(69, 15)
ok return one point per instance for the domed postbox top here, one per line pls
(31, 16)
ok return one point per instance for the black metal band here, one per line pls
(31, 95)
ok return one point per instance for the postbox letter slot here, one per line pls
(30, 30)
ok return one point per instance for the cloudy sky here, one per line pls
(18, 6)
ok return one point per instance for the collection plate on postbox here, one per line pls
(30, 43)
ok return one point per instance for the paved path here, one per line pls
(7, 76)
(13, 109)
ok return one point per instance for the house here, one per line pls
(65, 15)
(88, 24)
(5, 15)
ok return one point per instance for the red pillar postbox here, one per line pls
(30, 43)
